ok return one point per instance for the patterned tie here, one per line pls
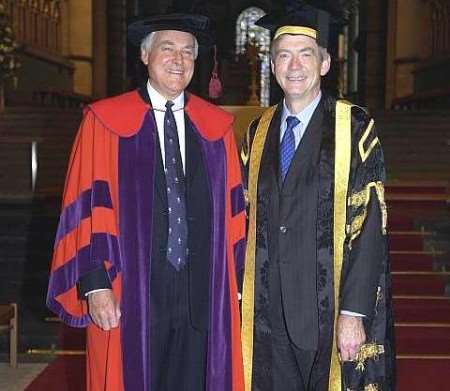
(287, 146)
(177, 239)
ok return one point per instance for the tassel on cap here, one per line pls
(215, 85)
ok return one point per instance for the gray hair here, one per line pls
(147, 43)
(323, 52)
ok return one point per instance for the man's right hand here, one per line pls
(103, 309)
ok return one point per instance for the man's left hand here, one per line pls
(350, 336)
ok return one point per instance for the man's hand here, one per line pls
(103, 309)
(350, 336)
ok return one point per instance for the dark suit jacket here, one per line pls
(292, 208)
(198, 206)
(299, 240)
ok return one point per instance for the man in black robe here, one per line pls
(316, 291)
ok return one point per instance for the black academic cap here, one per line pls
(197, 25)
(299, 18)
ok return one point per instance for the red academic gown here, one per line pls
(110, 176)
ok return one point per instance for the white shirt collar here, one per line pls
(159, 101)
(305, 115)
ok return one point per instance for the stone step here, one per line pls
(432, 284)
(421, 308)
(424, 142)
(416, 157)
(422, 338)
(400, 126)
(425, 113)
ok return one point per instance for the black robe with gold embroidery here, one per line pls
(295, 227)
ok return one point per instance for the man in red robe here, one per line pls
(152, 228)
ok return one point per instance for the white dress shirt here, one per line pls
(159, 109)
(304, 117)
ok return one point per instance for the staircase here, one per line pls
(420, 277)
(38, 138)
(416, 144)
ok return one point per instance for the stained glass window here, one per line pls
(248, 33)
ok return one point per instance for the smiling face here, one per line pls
(170, 62)
(298, 66)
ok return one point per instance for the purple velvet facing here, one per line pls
(136, 183)
(237, 200)
(219, 367)
(81, 208)
(239, 254)
(103, 247)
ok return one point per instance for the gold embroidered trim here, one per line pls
(370, 351)
(364, 153)
(248, 294)
(371, 387)
(361, 199)
(247, 202)
(245, 150)
(378, 298)
(380, 194)
(296, 30)
(356, 227)
(341, 177)
(358, 199)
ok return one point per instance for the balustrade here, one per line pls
(36, 23)
(440, 27)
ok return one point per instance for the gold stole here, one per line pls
(248, 294)
(342, 159)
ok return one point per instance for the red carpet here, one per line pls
(401, 222)
(423, 374)
(412, 262)
(65, 373)
(414, 189)
(401, 240)
(425, 285)
(422, 311)
(423, 340)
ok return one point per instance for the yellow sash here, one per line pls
(248, 294)
(342, 159)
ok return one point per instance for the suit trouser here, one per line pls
(291, 366)
(177, 350)
(178, 358)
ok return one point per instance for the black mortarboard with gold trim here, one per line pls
(197, 25)
(299, 18)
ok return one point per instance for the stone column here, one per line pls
(117, 46)
(100, 41)
(80, 45)
(373, 27)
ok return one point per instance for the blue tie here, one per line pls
(176, 203)
(287, 146)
